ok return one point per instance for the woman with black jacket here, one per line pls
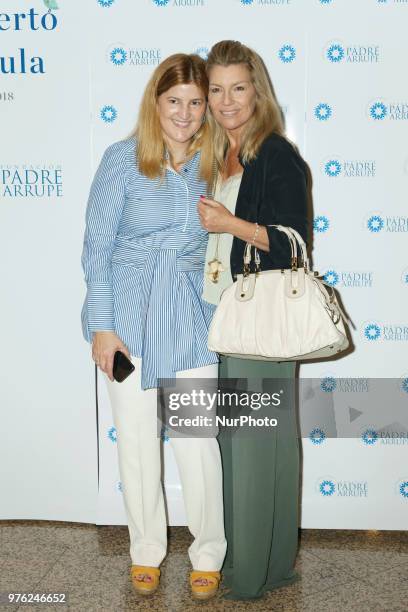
(261, 181)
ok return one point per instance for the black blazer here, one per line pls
(274, 189)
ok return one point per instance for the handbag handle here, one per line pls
(294, 238)
(248, 252)
(247, 260)
(303, 248)
(298, 240)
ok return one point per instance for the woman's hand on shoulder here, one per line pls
(104, 346)
(214, 216)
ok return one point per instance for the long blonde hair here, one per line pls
(177, 69)
(267, 117)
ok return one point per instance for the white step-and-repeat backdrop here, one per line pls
(71, 79)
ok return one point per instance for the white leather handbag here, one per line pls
(279, 315)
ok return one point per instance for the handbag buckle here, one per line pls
(245, 287)
(257, 262)
(336, 317)
(247, 261)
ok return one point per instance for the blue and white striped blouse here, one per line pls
(143, 259)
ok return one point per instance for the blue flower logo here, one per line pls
(321, 224)
(378, 111)
(317, 436)
(247, 2)
(161, 2)
(287, 54)
(335, 53)
(328, 384)
(332, 167)
(325, 1)
(202, 52)
(105, 3)
(403, 488)
(370, 437)
(375, 223)
(112, 435)
(331, 278)
(327, 487)
(118, 56)
(372, 331)
(323, 111)
(404, 385)
(109, 114)
(164, 437)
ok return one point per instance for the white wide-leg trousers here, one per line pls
(199, 465)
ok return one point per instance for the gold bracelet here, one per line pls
(255, 234)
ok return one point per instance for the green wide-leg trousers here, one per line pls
(261, 486)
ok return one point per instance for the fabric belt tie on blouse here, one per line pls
(163, 354)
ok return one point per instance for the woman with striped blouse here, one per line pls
(143, 255)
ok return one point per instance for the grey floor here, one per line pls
(340, 570)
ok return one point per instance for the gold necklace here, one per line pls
(215, 266)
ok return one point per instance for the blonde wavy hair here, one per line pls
(267, 117)
(177, 69)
